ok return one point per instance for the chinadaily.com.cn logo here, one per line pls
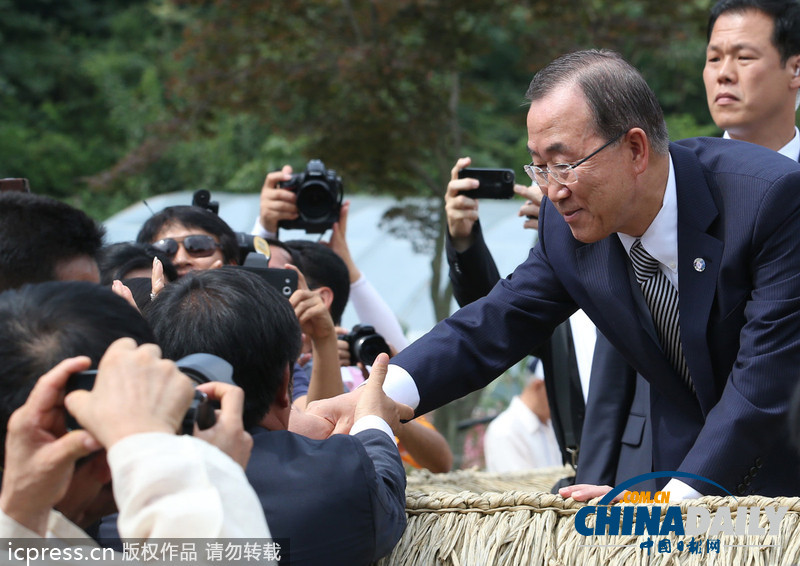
(667, 529)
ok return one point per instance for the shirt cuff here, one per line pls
(372, 421)
(678, 491)
(259, 230)
(400, 386)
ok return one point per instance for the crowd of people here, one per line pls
(661, 300)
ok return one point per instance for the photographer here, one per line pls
(193, 238)
(279, 205)
(164, 485)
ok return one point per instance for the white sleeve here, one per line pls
(372, 421)
(678, 491)
(372, 309)
(400, 386)
(10, 528)
(169, 486)
(259, 230)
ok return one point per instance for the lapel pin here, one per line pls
(699, 264)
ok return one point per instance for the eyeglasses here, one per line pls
(196, 245)
(562, 173)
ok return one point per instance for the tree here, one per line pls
(60, 121)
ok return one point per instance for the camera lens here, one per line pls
(367, 348)
(508, 177)
(315, 201)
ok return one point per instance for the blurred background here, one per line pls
(105, 103)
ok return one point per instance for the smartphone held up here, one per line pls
(494, 183)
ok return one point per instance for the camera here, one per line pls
(365, 344)
(200, 368)
(202, 198)
(319, 198)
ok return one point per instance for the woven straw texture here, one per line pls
(471, 518)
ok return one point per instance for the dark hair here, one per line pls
(192, 217)
(617, 94)
(322, 268)
(38, 233)
(237, 316)
(140, 288)
(45, 323)
(117, 260)
(785, 16)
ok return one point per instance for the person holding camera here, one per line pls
(340, 500)
(56, 481)
(279, 208)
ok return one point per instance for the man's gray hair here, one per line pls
(617, 94)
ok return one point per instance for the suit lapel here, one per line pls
(699, 257)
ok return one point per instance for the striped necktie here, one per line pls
(662, 300)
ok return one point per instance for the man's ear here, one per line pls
(327, 295)
(283, 397)
(639, 149)
(793, 66)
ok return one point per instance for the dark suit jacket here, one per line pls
(738, 211)
(617, 441)
(473, 273)
(338, 501)
(612, 432)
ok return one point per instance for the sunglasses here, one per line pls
(198, 245)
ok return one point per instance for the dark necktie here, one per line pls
(662, 299)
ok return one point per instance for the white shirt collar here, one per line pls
(661, 237)
(790, 150)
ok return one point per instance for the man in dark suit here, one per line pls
(718, 217)
(338, 501)
(614, 421)
(751, 80)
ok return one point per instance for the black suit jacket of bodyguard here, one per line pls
(739, 216)
(337, 501)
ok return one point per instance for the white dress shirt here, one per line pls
(517, 440)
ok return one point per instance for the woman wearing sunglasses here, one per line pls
(194, 239)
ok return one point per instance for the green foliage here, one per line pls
(685, 126)
(95, 108)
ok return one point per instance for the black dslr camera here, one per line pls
(365, 344)
(319, 198)
(200, 368)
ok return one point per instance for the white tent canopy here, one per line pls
(400, 275)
